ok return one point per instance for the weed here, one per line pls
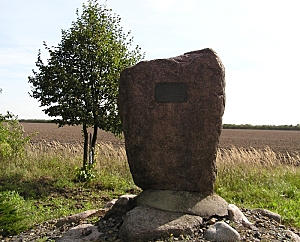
(85, 173)
(13, 213)
(12, 138)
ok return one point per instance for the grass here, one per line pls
(43, 182)
(253, 178)
(44, 179)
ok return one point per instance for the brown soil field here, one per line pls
(49, 132)
(278, 140)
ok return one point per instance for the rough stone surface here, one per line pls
(121, 206)
(80, 216)
(81, 233)
(221, 231)
(172, 133)
(144, 223)
(292, 235)
(183, 202)
(236, 215)
(269, 214)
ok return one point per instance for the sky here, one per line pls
(257, 41)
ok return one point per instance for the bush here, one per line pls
(85, 174)
(12, 139)
(12, 213)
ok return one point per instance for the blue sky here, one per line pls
(257, 41)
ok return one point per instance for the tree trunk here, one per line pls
(93, 143)
(86, 145)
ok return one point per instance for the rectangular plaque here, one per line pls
(170, 92)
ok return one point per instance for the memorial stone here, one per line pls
(171, 112)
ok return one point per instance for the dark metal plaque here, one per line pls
(170, 92)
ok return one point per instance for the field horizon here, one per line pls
(278, 140)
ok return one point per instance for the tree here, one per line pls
(79, 82)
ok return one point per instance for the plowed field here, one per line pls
(277, 140)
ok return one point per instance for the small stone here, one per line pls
(101, 226)
(221, 231)
(110, 220)
(269, 214)
(110, 203)
(212, 221)
(75, 234)
(112, 238)
(120, 208)
(292, 235)
(86, 231)
(257, 234)
(236, 215)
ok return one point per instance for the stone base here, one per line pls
(184, 202)
(144, 223)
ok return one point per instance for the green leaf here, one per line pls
(78, 84)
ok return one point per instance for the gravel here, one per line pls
(264, 229)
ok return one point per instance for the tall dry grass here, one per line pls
(105, 152)
(256, 157)
(59, 160)
(255, 178)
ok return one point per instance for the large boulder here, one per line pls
(144, 223)
(171, 111)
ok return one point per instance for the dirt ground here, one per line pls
(48, 132)
(277, 140)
